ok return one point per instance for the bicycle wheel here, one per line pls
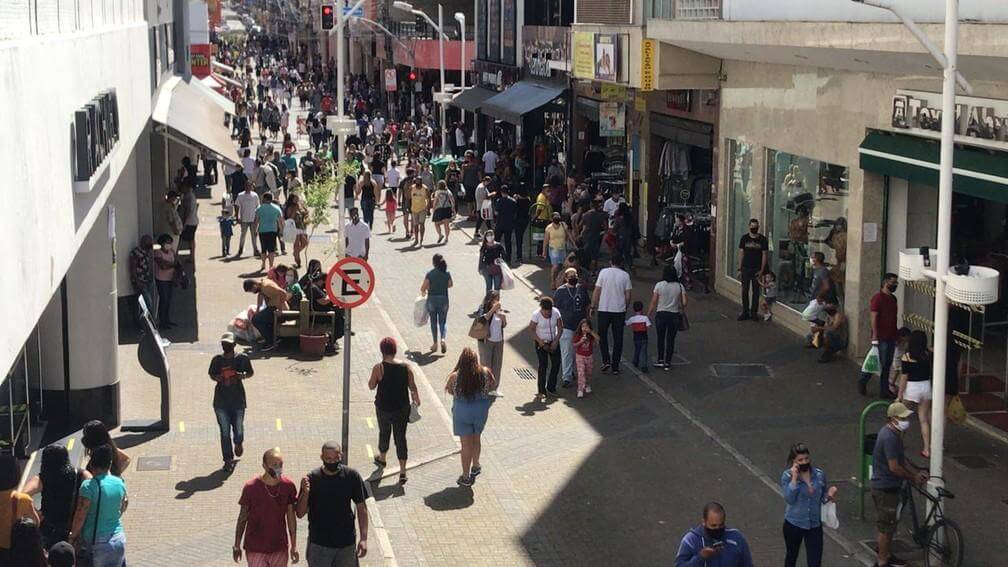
(945, 545)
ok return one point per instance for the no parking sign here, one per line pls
(350, 283)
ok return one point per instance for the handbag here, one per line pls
(85, 557)
(684, 324)
(480, 329)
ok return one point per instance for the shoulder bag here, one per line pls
(684, 323)
(85, 557)
(480, 328)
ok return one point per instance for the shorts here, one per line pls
(267, 242)
(469, 417)
(188, 233)
(917, 392)
(557, 256)
(886, 503)
(441, 214)
(420, 217)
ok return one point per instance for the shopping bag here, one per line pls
(479, 329)
(871, 363)
(420, 314)
(414, 413)
(290, 231)
(507, 278)
(486, 210)
(812, 310)
(956, 411)
(829, 515)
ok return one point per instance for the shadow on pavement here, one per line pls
(129, 440)
(385, 492)
(451, 498)
(204, 483)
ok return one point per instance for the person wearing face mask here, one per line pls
(834, 331)
(229, 370)
(711, 544)
(141, 262)
(165, 264)
(326, 494)
(804, 490)
(889, 470)
(884, 333)
(753, 252)
(558, 237)
(267, 522)
(490, 251)
(572, 300)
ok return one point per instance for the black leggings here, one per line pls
(393, 424)
(793, 536)
(666, 327)
(519, 237)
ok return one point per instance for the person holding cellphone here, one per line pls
(804, 488)
(711, 544)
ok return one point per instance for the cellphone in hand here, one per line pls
(717, 545)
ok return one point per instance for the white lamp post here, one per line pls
(461, 19)
(407, 7)
(939, 273)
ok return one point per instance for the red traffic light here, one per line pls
(328, 21)
(412, 76)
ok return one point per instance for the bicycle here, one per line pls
(939, 537)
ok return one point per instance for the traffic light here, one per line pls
(412, 75)
(328, 14)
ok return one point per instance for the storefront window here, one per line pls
(806, 212)
(740, 196)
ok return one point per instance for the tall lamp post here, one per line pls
(947, 61)
(407, 7)
(461, 19)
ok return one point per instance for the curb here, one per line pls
(987, 429)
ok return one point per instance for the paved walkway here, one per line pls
(616, 477)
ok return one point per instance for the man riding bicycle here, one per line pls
(889, 470)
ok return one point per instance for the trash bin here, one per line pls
(439, 165)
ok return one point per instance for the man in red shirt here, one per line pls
(267, 519)
(884, 313)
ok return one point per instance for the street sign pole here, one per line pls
(346, 387)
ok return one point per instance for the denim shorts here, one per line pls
(556, 257)
(469, 417)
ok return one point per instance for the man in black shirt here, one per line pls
(325, 496)
(572, 300)
(228, 370)
(505, 214)
(593, 226)
(753, 249)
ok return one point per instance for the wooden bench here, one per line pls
(289, 323)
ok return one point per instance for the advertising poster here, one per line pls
(493, 30)
(606, 57)
(583, 54)
(508, 32)
(199, 60)
(612, 119)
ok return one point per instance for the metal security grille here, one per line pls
(158, 463)
(604, 12)
(525, 373)
(698, 9)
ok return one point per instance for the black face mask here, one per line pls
(572, 281)
(332, 467)
(892, 287)
(805, 467)
(753, 230)
(228, 348)
(716, 534)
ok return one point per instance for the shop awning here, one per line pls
(472, 99)
(226, 68)
(519, 99)
(207, 85)
(192, 116)
(979, 172)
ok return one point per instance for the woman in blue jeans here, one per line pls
(435, 287)
(804, 489)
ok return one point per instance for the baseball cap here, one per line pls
(228, 338)
(897, 409)
(61, 554)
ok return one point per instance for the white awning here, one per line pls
(192, 116)
(222, 67)
(207, 85)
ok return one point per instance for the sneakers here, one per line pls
(897, 561)
(566, 384)
(587, 389)
(475, 471)
(238, 449)
(580, 393)
(743, 317)
(464, 480)
(605, 367)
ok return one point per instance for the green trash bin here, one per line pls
(439, 165)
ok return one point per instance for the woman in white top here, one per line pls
(491, 350)
(668, 303)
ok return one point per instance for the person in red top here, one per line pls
(326, 104)
(884, 333)
(584, 348)
(267, 519)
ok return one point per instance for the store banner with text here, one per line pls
(649, 52)
(199, 60)
(612, 119)
(583, 54)
(978, 121)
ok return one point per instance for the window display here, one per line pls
(741, 191)
(806, 213)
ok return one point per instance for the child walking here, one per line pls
(768, 282)
(390, 210)
(584, 347)
(227, 222)
(639, 324)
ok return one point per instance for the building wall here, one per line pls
(45, 79)
(845, 11)
(820, 114)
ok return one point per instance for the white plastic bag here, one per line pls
(420, 314)
(813, 310)
(507, 278)
(486, 210)
(872, 363)
(290, 231)
(829, 516)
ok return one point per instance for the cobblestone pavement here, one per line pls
(614, 478)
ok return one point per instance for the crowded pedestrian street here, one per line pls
(591, 293)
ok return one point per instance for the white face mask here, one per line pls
(903, 425)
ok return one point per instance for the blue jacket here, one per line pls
(734, 554)
(804, 510)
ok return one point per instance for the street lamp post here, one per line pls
(461, 19)
(407, 7)
(951, 76)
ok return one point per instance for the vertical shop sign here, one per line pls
(649, 48)
(481, 30)
(199, 60)
(607, 57)
(583, 54)
(493, 30)
(508, 32)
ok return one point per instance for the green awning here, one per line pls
(979, 172)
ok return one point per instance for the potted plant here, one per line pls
(318, 197)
